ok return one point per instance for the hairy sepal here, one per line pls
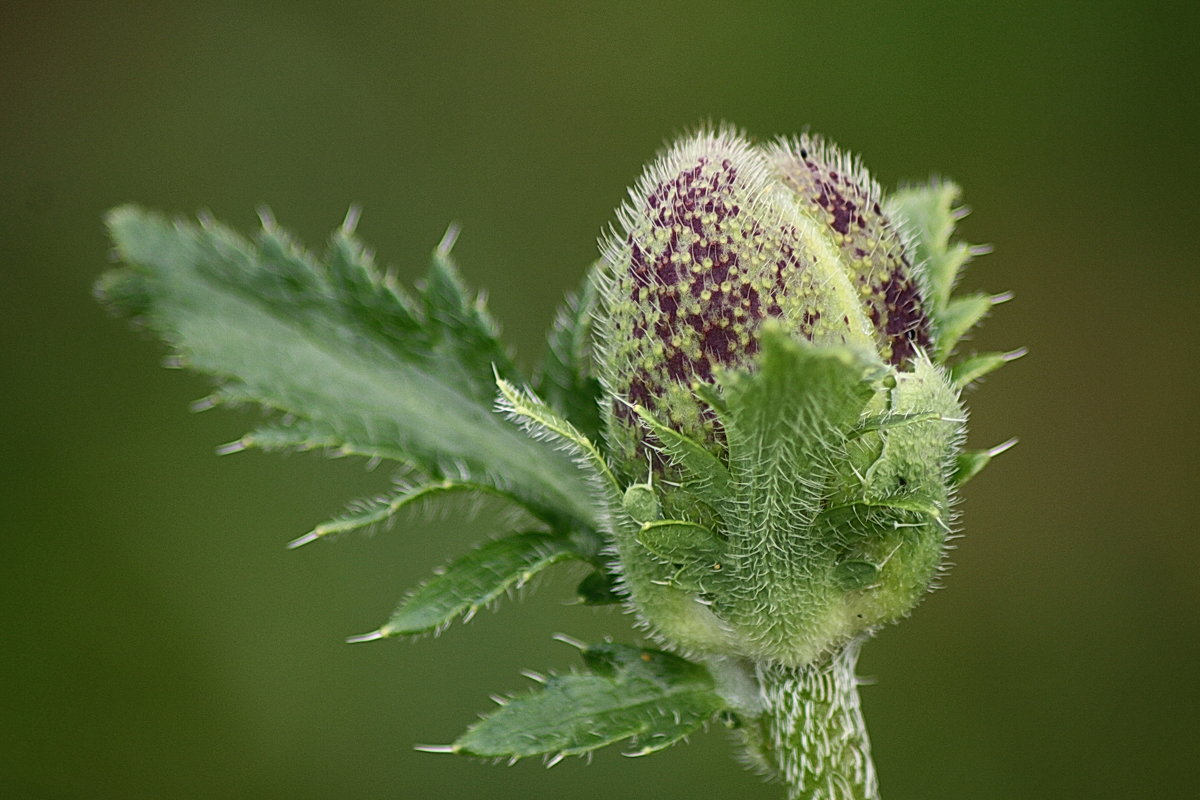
(835, 515)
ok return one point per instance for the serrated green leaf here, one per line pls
(932, 211)
(543, 422)
(565, 377)
(610, 659)
(463, 331)
(476, 579)
(283, 436)
(650, 697)
(352, 362)
(974, 367)
(366, 513)
(971, 462)
(297, 435)
(960, 315)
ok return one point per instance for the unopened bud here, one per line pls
(720, 236)
(767, 534)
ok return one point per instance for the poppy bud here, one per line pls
(730, 258)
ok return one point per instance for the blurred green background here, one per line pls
(158, 641)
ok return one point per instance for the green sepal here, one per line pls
(679, 542)
(702, 473)
(640, 502)
(610, 659)
(565, 376)
(649, 697)
(759, 586)
(338, 350)
(902, 504)
(855, 574)
(477, 578)
(883, 422)
(781, 420)
(975, 366)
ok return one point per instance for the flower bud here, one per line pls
(720, 236)
(723, 248)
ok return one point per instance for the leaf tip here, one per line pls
(1002, 447)
(266, 218)
(236, 446)
(571, 640)
(300, 541)
(115, 216)
(448, 239)
(1013, 355)
(365, 637)
(435, 748)
(204, 404)
(350, 223)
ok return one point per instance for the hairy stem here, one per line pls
(811, 734)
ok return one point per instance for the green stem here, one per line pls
(811, 733)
